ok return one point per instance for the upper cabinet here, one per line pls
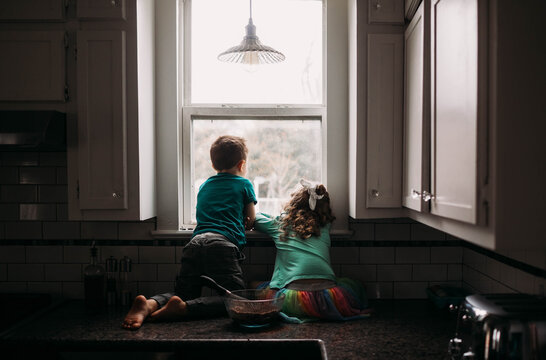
(471, 128)
(23, 10)
(102, 9)
(111, 170)
(376, 45)
(24, 78)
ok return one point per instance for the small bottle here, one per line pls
(94, 281)
(125, 296)
(111, 271)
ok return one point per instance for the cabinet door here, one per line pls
(386, 11)
(101, 9)
(31, 9)
(32, 65)
(384, 120)
(102, 132)
(454, 110)
(416, 113)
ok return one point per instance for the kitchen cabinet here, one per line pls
(111, 170)
(101, 9)
(386, 11)
(24, 78)
(375, 114)
(479, 142)
(48, 10)
(410, 8)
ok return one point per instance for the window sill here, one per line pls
(186, 234)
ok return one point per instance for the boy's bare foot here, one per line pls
(174, 309)
(139, 311)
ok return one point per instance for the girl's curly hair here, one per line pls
(299, 218)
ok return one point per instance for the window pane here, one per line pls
(280, 153)
(293, 27)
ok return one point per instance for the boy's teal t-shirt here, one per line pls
(297, 258)
(221, 201)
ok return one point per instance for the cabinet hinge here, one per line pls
(66, 93)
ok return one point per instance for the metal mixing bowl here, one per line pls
(253, 308)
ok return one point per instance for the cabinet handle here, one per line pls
(114, 3)
(378, 5)
(115, 195)
(415, 194)
(426, 196)
(374, 193)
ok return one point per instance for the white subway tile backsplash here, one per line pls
(426, 233)
(525, 283)
(25, 272)
(12, 254)
(157, 254)
(63, 272)
(52, 159)
(135, 231)
(394, 272)
(379, 290)
(153, 288)
(144, 272)
(52, 193)
(37, 175)
(62, 212)
(118, 252)
(262, 255)
(344, 255)
(73, 290)
(18, 193)
(167, 272)
(410, 290)
(377, 255)
(429, 272)
(3, 272)
(99, 230)
(44, 254)
(392, 231)
(46, 287)
(24, 230)
(77, 254)
(9, 212)
(447, 254)
(256, 272)
(361, 273)
(37, 212)
(454, 272)
(13, 287)
(61, 230)
(19, 158)
(363, 231)
(9, 175)
(507, 275)
(412, 255)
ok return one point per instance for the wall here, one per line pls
(42, 252)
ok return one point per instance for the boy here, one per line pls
(225, 207)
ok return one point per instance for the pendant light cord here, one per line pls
(251, 9)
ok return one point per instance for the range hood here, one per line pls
(33, 130)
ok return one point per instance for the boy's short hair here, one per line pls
(227, 151)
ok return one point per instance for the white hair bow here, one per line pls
(312, 190)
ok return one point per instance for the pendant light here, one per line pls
(251, 51)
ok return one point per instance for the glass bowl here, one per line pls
(253, 308)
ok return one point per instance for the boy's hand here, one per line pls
(249, 224)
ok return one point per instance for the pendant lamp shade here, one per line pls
(251, 51)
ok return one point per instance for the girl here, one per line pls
(302, 266)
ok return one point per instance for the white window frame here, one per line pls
(174, 137)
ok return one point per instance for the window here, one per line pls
(278, 108)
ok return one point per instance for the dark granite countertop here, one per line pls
(398, 329)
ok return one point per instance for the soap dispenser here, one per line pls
(94, 281)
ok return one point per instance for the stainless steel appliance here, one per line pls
(500, 326)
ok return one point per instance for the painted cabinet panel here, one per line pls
(102, 134)
(384, 120)
(101, 9)
(416, 163)
(386, 11)
(32, 9)
(22, 78)
(454, 111)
